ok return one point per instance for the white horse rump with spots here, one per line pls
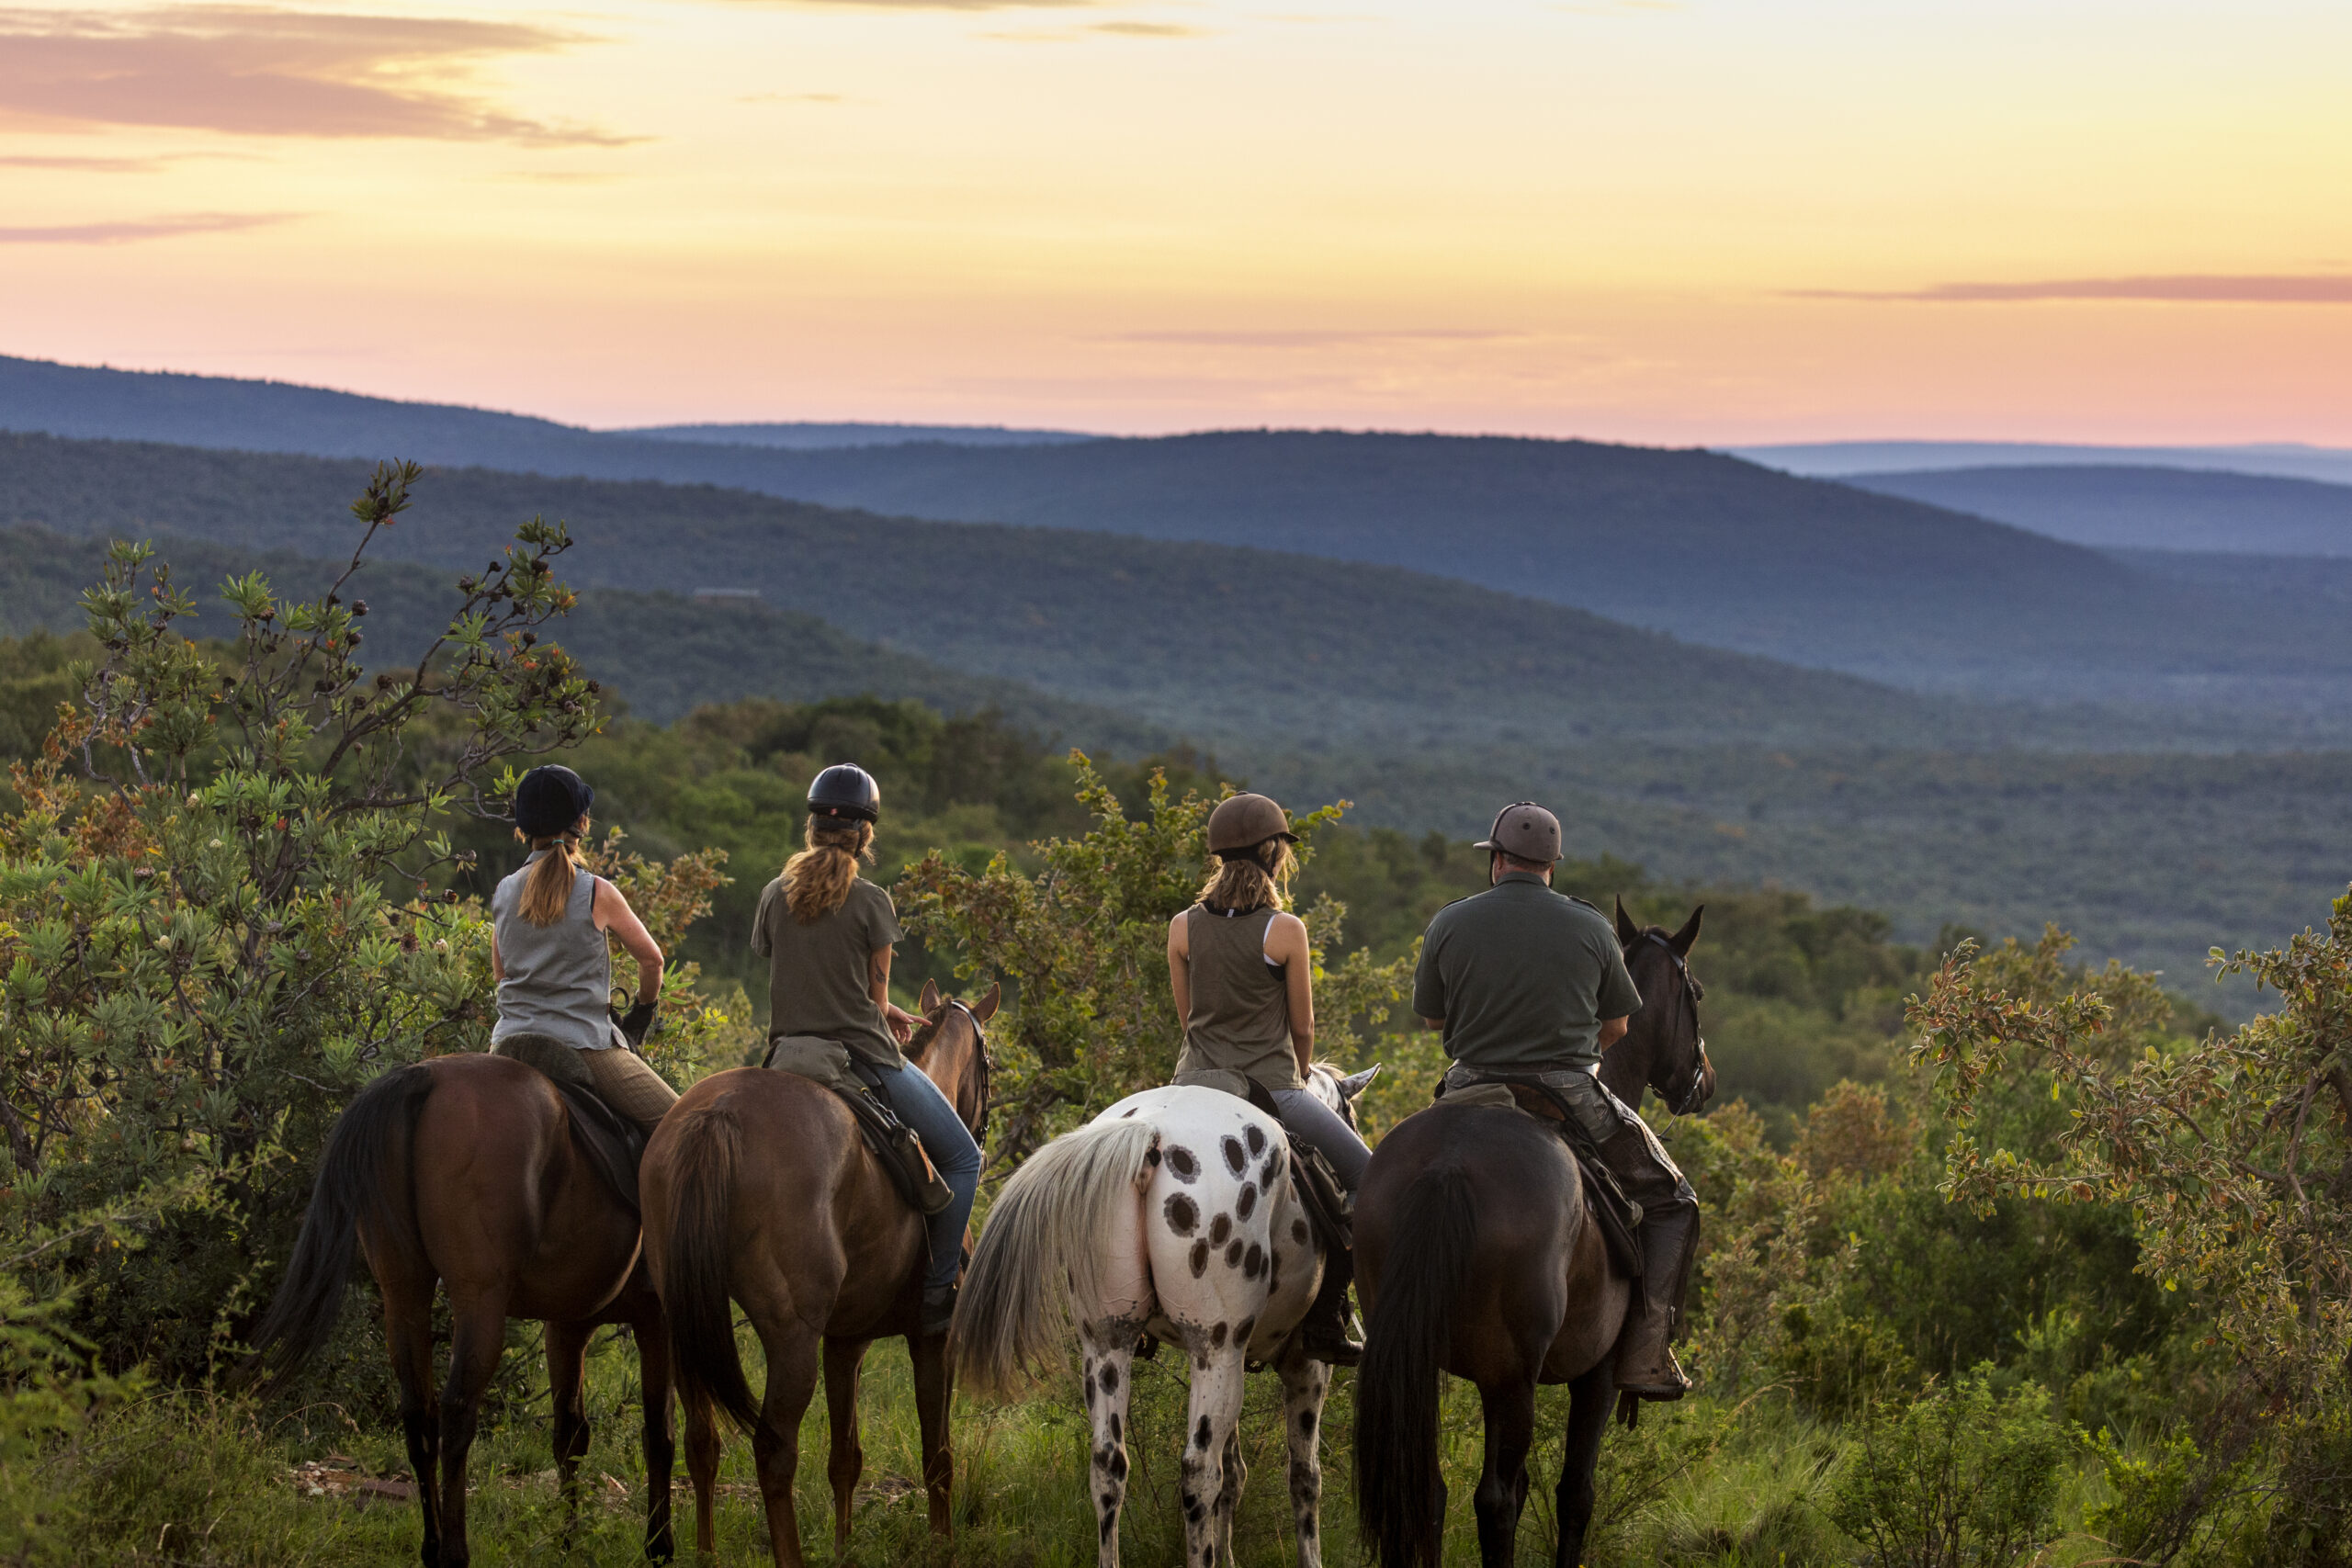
(1170, 1214)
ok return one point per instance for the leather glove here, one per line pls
(638, 1022)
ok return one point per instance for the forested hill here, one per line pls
(2143, 508)
(1712, 548)
(1220, 643)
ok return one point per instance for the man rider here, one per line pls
(1528, 983)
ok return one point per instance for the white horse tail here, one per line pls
(1040, 1260)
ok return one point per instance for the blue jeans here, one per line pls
(916, 1100)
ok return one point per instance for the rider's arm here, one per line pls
(1287, 945)
(878, 985)
(1432, 1023)
(497, 964)
(1179, 966)
(613, 914)
(1612, 1030)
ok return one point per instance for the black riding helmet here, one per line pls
(846, 790)
(549, 800)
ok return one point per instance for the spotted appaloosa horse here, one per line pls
(1171, 1214)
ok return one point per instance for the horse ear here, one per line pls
(1355, 1084)
(985, 1009)
(1627, 931)
(928, 1003)
(1683, 941)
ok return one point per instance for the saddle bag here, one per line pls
(612, 1143)
(828, 1062)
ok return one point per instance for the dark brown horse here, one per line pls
(1475, 1256)
(462, 1171)
(759, 1189)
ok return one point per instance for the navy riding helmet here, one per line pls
(549, 800)
(846, 790)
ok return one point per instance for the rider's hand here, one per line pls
(902, 1023)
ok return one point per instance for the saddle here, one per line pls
(1618, 1215)
(893, 1142)
(611, 1142)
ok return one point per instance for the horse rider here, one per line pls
(548, 922)
(1530, 984)
(827, 933)
(1244, 984)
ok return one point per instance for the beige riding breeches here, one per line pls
(629, 1086)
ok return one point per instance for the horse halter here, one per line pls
(1691, 993)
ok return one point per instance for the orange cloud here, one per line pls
(265, 72)
(129, 231)
(2184, 288)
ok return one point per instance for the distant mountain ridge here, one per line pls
(815, 438)
(1844, 460)
(2143, 508)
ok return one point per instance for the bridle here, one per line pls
(987, 1068)
(1691, 994)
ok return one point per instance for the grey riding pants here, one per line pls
(1318, 1124)
(1648, 1173)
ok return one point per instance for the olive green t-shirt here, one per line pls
(1522, 976)
(818, 973)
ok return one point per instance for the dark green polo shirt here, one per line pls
(1522, 976)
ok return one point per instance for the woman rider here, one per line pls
(1238, 964)
(826, 932)
(547, 953)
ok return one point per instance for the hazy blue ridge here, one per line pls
(812, 436)
(2143, 508)
(1840, 460)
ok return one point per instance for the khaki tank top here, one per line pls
(1240, 1017)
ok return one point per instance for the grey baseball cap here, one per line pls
(1524, 831)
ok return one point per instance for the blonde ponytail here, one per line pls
(546, 893)
(1255, 878)
(816, 881)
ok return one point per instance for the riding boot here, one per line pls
(938, 1309)
(1669, 1235)
(1327, 1334)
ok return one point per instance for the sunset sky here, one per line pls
(1711, 220)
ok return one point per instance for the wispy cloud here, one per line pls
(84, 166)
(1316, 337)
(2322, 288)
(1098, 29)
(792, 99)
(938, 5)
(267, 72)
(131, 230)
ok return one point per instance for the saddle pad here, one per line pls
(828, 1062)
(612, 1144)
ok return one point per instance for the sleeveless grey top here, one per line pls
(559, 977)
(1240, 1018)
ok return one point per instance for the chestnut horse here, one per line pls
(759, 1189)
(462, 1170)
(1475, 1256)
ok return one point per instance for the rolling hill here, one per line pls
(1711, 548)
(2143, 508)
(1843, 459)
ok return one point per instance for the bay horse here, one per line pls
(1475, 1256)
(462, 1170)
(758, 1189)
(1170, 1215)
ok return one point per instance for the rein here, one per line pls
(1691, 992)
(987, 1069)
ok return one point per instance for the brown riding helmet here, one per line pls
(1524, 831)
(1245, 821)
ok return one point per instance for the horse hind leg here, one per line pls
(567, 1397)
(793, 1365)
(1210, 1417)
(1306, 1384)
(477, 1337)
(934, 1395)
(1229, 1494)
(844, 1357)
(1109, 1353)
(1589, 1399)
(408, 1335)
(1502, 1487)
(660, 1433)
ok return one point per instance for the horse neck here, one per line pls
(1625, 1067)
(949, 1062)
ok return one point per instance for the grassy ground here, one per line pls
(189, 1479)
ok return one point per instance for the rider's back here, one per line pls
(1522, 976)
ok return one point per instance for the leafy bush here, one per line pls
(1962, 1478)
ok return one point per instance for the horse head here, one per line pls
(1338, 1093)
(952, 1049)
(1663, 1049)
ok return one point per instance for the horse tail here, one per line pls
(693, 1282)
(1040, 1257)
(354, 1186)
(1400, 1506)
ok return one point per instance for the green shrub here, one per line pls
(1960, 1478)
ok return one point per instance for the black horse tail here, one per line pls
(1401, 1495)
(370, 1142)
(693, 1282)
